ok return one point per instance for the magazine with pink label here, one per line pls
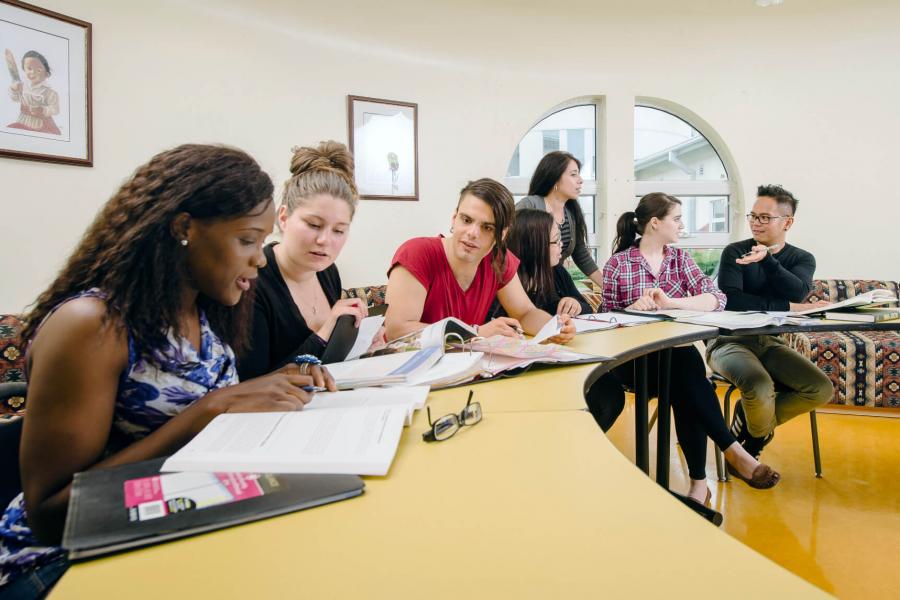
(160, 495)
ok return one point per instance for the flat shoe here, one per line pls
(763, 478)
(707, 503)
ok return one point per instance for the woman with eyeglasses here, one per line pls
(646, 272)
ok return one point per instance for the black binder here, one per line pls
(100, 522)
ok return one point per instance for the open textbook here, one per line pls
(354, 441)
(469, 357)
(872, 297)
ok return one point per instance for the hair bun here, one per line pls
(327, 156)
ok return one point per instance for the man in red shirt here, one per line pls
(434, 278)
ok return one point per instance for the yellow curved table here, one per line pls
(533, 502)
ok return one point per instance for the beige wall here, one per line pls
(804, 95)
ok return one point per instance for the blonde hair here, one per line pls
(325, 169)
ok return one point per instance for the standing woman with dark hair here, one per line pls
(555, 187)
(298, 298)
(646, 273)
(130, 348)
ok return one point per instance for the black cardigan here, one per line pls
(279, 332)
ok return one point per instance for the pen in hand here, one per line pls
(769, 248)
(313, 388)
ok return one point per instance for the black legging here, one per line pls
(694, 403)
(605, 400)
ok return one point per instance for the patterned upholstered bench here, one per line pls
(372, 294)
(12, 365)
(863, 366)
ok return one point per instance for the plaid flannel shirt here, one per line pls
(627, 274)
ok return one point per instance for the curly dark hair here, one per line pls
(782, 196)
(130, 254)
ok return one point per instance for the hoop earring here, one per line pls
(451, 229)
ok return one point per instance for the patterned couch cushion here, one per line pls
(863, 366)
(12, 362)
(835, 290)
(373, 294)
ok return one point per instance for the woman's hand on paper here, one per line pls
(566, 331)
(568, 306)
(505, 326)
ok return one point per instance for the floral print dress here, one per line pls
(152, 390)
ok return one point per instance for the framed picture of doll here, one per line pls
(384, 141)
(45, 85)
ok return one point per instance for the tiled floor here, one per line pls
(841, 532)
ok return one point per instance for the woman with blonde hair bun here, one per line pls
(298, 296)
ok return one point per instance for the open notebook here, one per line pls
(343, 432)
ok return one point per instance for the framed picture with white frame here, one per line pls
(384, 142)
(45, 85)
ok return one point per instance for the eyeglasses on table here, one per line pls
(445, 427)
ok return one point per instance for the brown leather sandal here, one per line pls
(763, 478)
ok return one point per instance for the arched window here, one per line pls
(674, 156)
(674, 152)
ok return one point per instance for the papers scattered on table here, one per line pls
(727, 319)
(357, 441)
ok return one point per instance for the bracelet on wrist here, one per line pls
(306, 359)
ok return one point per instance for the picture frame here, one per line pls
(384, 140)
(45, 86)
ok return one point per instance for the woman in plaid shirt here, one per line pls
(647, 273)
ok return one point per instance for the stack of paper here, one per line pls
(398, 368)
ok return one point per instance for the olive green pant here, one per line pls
(776, 382)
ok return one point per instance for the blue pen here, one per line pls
(313, 388)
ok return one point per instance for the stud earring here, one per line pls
(184, 242)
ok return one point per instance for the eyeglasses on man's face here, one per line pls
(445, 427)
(763, 219)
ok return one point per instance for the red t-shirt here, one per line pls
(426, 260)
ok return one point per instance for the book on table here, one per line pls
(423, 358)
(345, 432)
(727, 319)
(870, 298)
(130, 506)
(864, 314)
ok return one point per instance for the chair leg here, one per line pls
(721, 471)
(817, 457)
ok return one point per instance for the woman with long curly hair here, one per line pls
(131, 347)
